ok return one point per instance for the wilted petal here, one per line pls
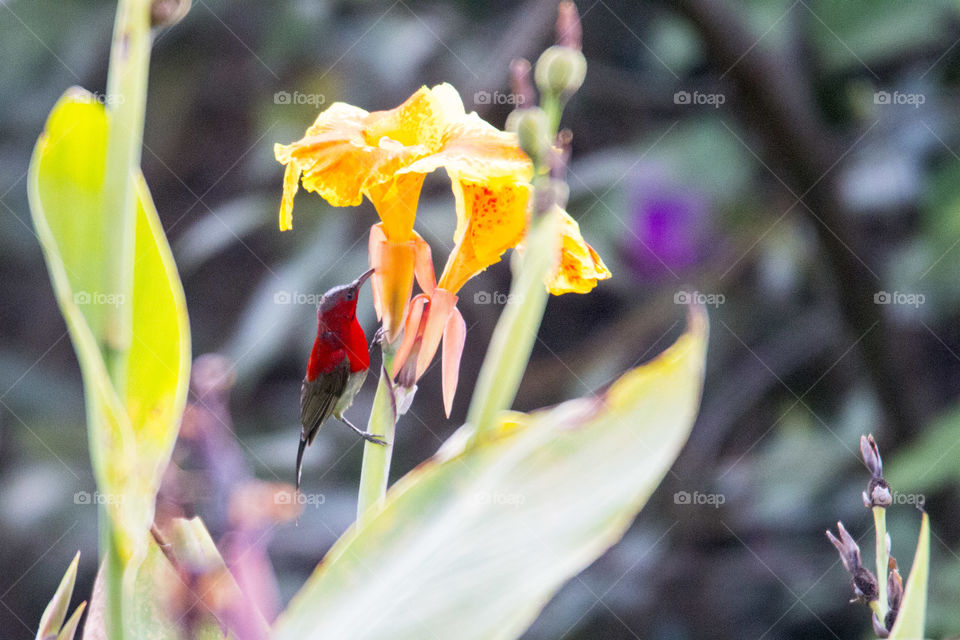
(442, 304)
(580, 267)
(412, 330)
(454, 337)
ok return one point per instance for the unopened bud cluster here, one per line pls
(558, 74)
(866, 588)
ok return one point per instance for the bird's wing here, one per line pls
(319, 397)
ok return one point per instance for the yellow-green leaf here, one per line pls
(131, 433)
(913, 609)
(475, 541)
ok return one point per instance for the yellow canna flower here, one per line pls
(349, 153)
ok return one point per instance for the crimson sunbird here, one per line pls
(337, 367)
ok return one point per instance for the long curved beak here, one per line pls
(363, 278)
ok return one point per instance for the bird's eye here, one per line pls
(350, 295)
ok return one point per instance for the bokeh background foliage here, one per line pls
(670, 194)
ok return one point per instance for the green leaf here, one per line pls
(131, 434)
(910, 622)
(53, 616)
(475, 541)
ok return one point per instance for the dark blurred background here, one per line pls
(793, 163)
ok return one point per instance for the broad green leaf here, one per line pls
(56, 612)
(175, 604)
(131, 434)
(913, 609)
(475, 541)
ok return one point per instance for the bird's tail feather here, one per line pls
(303, 445)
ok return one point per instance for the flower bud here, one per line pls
(166, 13)
(847, 548)
(865, 585)
(871, 455)
(533, 132)
(560, 71)
(878, 628)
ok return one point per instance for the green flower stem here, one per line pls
(126, 103)
(880, 525)
(383, 422)
(517, 327)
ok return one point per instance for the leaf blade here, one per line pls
(474, 542)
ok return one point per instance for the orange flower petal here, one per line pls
(476, 150)
(491, 218)
(442, 304)
(580, 266)
(333, 156)
(411, 331)
(454, 337)
(377, 238)
(395, 271)
(396, 203)
(423, 266)
(291, 183)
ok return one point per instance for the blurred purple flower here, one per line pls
(671, 226)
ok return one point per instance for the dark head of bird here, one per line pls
(340, 303)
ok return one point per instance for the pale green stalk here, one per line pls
(376, 457)
(125, 102)
(517, 327)
(880, 525)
